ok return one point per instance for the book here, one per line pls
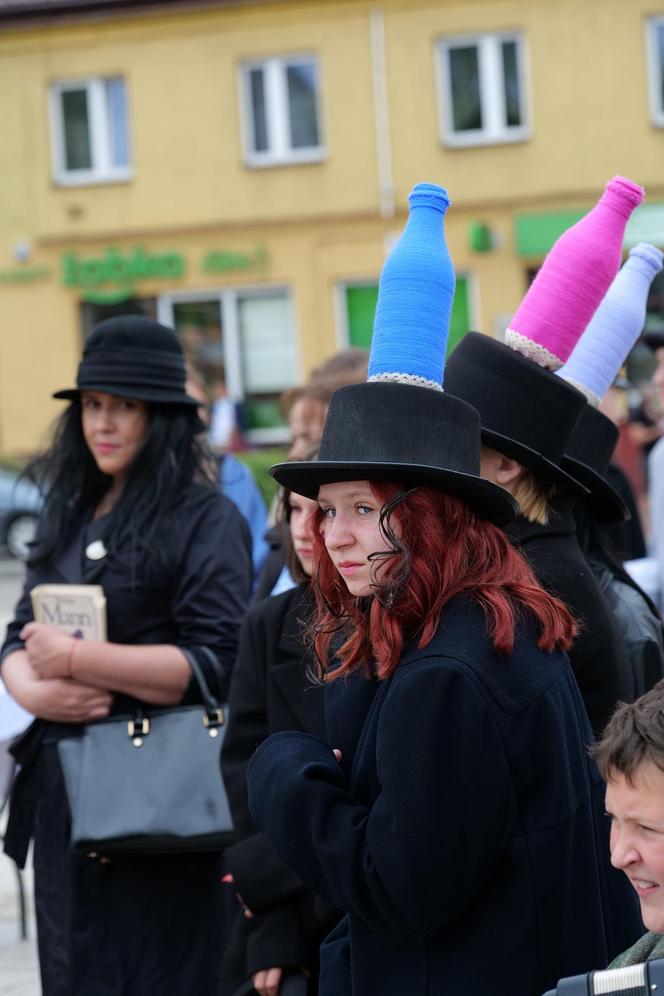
(78, 609)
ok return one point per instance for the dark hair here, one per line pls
(293, 564)
(635, 733)
(171, 458)
(442, 549)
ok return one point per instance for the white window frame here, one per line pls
(494, 131)
(655, 71)
(102, 169)
(279, 151)
(228, 306)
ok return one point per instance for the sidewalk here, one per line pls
(19, 975)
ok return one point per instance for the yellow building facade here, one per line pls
(239, 169)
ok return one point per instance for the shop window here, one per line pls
(482, 89)
(90, 131)
(242, 348)
(281, 100)
(360, 307)
(655, 39)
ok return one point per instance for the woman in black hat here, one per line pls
(271, 691)
(127, 506)
(453, 812)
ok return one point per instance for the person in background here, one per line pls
(627, 536)
(130, 506)
(528, 416)
(655, 340)
(453, 809)
(271, 691)
(236, 481)
(305, 408)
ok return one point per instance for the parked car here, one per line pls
(20, 504)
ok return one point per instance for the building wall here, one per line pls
(307, 227)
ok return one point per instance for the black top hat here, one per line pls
(133, 357)
(527, 412)
(588, 457)
(403, 433)
(655, 340)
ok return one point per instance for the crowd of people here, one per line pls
(440, 675)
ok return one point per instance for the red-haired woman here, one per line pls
(454, 812)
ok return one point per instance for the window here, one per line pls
(281, 113)
(90, 131)
(655, 37)
(482, 82)
(244, 340)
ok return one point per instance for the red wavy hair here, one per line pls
(443, 549)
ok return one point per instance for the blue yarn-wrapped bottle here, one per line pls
(415, 297)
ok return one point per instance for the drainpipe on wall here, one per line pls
(381, 113)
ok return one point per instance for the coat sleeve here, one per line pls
(22, 614)
(261, 876)
(444, 812)
(212, 586)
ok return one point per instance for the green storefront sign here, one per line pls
(113, 276)
(536, 233)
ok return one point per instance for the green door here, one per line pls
(361, 307)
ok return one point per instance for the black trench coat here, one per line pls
(462, 831)
(598, 656)
(150, 925)
(270, 692)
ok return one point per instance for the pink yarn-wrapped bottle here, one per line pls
(573, 279)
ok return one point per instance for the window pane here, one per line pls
(660, 64)
(302, 105)
(268, 343)
(258, 113)
(116, 107)
(512, 89)
(76, 129)
(465, 82)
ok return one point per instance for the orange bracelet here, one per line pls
(70, 658)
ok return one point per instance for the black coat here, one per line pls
(148, 925)
(270, 692)
(598, 656)
(462, 831)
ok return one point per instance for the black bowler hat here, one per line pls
(403, 433)
(527, 412)
(587, 458)
(133, 357)
(401, 426)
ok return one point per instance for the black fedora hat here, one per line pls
(133, 357)
(527, 412)
(588, 456)
(403, 433)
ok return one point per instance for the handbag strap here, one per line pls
(212, 705)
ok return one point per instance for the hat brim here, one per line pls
(546, 470)
(606, 504)
(488, 500)
(137, 393)
(654, 340)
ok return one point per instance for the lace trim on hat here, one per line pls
(532, 350)
(590, 396)
(405, 378)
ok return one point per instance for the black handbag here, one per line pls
(149, 782)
